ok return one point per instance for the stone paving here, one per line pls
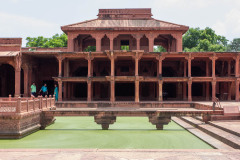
(113, 154)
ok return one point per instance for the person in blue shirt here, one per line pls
(56, 92)
(44, 90)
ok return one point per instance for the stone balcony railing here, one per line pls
(22, 105)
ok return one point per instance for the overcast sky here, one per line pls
(23, 18)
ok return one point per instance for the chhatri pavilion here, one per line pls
(123, 67)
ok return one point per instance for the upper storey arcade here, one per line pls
(129, 29)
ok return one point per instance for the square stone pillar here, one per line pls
(26, 80)
(207, 91)
(237, 91)
(17, 82)
(112, 98)
(189, 90)
(137, 90)
(89, 91)
(59, 90)
(237, 66)
(189, 67)
(229, 68)
(213, 65)
(184, 91)
(207, 68)
(60, 59)
(214, 90)
(71, 42)
(160, 86)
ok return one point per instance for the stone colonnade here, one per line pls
(150, 36)
(160, 58)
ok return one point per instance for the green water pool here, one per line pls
(125, 133)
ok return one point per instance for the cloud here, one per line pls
(229, 25)
(182, 3)
(21, 26)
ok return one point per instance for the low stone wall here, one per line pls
(79, 104)
(22, 116)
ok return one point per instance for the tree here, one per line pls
(56, 41)
(197, 40)
(234, 45)
(159, 49)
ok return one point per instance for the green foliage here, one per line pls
(125, 47)
(55, 41)
(90, 49)
(197, 40)
(159, 49)
(234, 45)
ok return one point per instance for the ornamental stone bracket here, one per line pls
(159, 121)
(105, 119)
(138, 55)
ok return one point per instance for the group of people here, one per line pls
(43, 91)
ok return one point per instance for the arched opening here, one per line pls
(7, 80)
(84, 43)
(162, 43)
(125, 42)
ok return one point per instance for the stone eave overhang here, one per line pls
(66, 29)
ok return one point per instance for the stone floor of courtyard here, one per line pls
(119, 154)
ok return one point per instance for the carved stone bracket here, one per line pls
(105, 119)
(159, 121)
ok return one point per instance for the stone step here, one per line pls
(202, 135)
(225, 137)
(215, 124)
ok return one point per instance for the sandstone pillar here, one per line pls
(178, 38)
(237, 91)
(60, 59)
(160, 84)
(213, 90)
(207, 91)
(17, 82)
(185, 69)
(98, 44)
(89, 92)
(70, 43)
(229, 68)
(237, 66)
(112, 97)
(213, 65)
(26, 80)
(207, 68)
(137, 91)
(184, 91)
(189, 67)
(59, 90)
(18, 64)
(189, 90)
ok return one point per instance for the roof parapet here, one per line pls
(138, 13)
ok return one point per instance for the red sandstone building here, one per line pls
(113, 74)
